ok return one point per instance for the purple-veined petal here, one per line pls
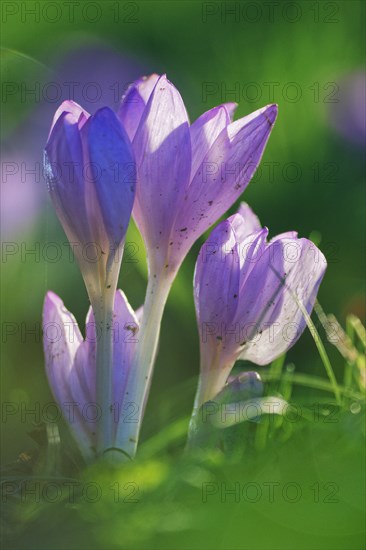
(204, 132)
(216, 284)
(114, 174)
(222, 177)
(89, 163)
(163, 156)
(134, 102)
(251, 239)
(61, 341)
(269, 314)
(250, 251)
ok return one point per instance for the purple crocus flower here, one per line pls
(71, 367)
(89, 164)
(90, 169)
(188, 175)
(247, 295)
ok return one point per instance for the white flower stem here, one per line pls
(138, 384)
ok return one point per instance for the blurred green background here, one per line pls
(303, 55)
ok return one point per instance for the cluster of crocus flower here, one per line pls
(178, 179)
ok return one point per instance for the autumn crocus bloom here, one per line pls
(71, 368)
(89, 164)
(249, 296)
(188, 176)
(90, 171)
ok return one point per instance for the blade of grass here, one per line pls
(359, 329)
(318, 342)
(317, 383)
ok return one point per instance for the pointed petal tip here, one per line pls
(164, 80)
(230, 109)
(271, 112)
(107, 114)
(121, 299)
(152, 76)
(51, 305)
(51, 298)
(245, 210)
(69, 113)
(69, 107)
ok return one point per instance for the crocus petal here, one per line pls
(231, 108)
(64, 166)
(250, 250)
(76, 114)
(139, 313)
(61, 340)
(163, 156)
(85, 360)
(222, 177)
(285, 235)
(246, 222)
(125, 335)
(114, 174)
(290, 270)
(216, 283)
(134, 102)
(204, 132)
(71, 363)
(90, 168)
(240, 388)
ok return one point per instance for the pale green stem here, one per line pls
(138, 384)
(101, 293)
(104, 373)
(211, 381)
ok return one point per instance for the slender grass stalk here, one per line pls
(323, 354)
(350, 366)
(317, 383)
(358, 328)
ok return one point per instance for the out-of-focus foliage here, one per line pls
(311, 179)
